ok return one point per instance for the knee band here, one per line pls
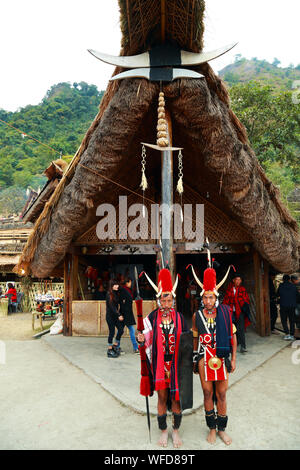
(222, 422)
(162, 422)
(210, 417)
(177, 417)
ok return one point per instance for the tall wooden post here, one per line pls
(70, 290)
(258, 290)
(266, 294)
(167, 201)
(261, 277)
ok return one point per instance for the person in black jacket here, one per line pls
(126, 297)
(287, 293)
(295, 278)
(114, 319)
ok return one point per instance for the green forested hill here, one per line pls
(243, 71)
(261, 96)
(60, 121)
(266, 99)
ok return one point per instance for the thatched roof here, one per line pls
(216, 148)
(36, 202)
(142, 22)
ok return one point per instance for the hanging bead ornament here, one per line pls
(179, 188)
(180, 173)
(162, 136)
(144, 183)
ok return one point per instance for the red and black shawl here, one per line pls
(237, 300)
(156, 361)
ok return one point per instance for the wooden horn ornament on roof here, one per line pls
(162, 62)
(158, 57)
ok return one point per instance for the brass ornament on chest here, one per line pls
(214, 363)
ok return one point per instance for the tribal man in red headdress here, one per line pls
(214, 340)
(162, 333)
(238, 300)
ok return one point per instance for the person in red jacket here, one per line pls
(238, 300)
(12, 293)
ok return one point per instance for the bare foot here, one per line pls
(177, 442)
(225, 438)
(163, 440)
(211, 438)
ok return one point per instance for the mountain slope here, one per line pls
(243, 70)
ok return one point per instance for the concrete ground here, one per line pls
(121, 376)
(48, 402)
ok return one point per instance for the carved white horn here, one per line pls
(196, 278)
(151, 282)
(208, 253)
(159, 293)
(175, 287)
(146, 73)
(128, 62)
(194, 58)
(187, 58)
(222, 282)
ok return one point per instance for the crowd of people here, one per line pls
(119, 313)
(218, 327)
(287, 296)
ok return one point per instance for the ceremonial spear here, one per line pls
(145, 388)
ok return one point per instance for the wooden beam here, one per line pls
(70, 290)
(267, 319)
(192, 23)
(128, 21)
(67, 297)
(259, 297)
(163, 20)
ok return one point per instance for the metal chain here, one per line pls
(180, 164)
(143, 158)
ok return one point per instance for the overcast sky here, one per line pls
(45, 42)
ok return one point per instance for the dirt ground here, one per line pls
(18, 326)
(47, 403)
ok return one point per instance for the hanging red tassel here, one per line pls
(144, 368)
(145, 388)
(139, 312)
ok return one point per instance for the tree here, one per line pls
(272, 122)
(276, 62)
(12, 201)
(60, 121)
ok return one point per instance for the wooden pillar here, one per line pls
(261, 278)
(167, 200)
(267, 315)
(70, 290)
(163, 20)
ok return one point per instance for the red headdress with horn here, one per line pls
(164, 283)
(209, 276)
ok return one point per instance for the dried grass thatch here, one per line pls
(215, 142)
(142, 22)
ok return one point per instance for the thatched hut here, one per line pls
(245, 220)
